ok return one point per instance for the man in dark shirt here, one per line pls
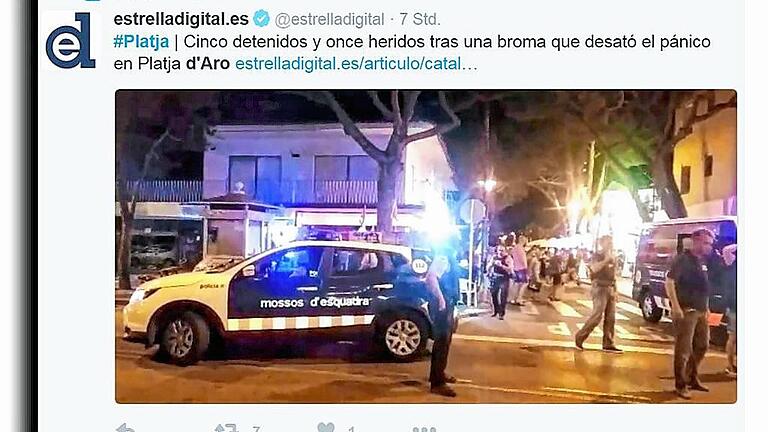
(688, 288)
(442, 282)
(603, 271)
(500, 268)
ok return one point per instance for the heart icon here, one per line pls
(325, 427)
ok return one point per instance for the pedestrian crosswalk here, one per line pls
(619, 316)
(564, 309)
(629, 308)
(644, 334)
(577, 309)
(530, 309)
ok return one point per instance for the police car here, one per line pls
(295, 289)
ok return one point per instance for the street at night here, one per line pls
(399, 224)
(528, 358)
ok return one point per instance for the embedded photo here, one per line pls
(435, 246)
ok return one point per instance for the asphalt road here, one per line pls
(528, 358)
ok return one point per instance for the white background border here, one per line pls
(752, 154)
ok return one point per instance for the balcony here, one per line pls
(285, 192)
(165, 190)
(320, 192)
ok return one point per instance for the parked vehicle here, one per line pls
(306, 286)
(659, 244)
(154, 249)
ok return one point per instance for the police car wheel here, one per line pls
(184, 339)
(651, 311)
(404, 336)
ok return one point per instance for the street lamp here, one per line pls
(488, 184)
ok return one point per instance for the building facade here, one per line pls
(705, 164)
(319, 176)
(263, 186)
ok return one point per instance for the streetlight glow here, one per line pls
(487, 184)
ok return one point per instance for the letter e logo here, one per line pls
(68, 47)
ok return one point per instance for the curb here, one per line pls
(472, 312)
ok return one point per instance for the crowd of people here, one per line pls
(692, 278)
(514, 269)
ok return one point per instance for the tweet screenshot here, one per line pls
(263, 216)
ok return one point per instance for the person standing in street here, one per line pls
(534, 270)
(500, 270)
(443, 284)
(571, 268)
(603, 272)
(688, 288)
(729, 293)
(555, 274)
(544, 258)
(520, 267)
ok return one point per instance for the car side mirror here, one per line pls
(249, 271)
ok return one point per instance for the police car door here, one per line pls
(275, 293)
(356, 278)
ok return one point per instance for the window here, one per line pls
(658, 245)
(354, 261)
(330, 168)
(348, 262)
(268, 173)
(242, 169)
(345, 168)
(708, 161)
(292, 264)
(345, 179)
(685, 180)
(363, 168)
(260, 176)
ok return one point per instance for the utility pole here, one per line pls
(486, 220)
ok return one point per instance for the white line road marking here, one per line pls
(629, 308)
(557, 392)
(636, 310)
(597, 332)
(560, 329)
(601, 394)
(569, 344)
(564, 309)
(530, 309)
(623, 333)
(589, 304)
(655, 334)
(560, 393)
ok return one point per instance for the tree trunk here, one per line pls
(642, 208)
(388, 190)
(666, 187)
(124, 247)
